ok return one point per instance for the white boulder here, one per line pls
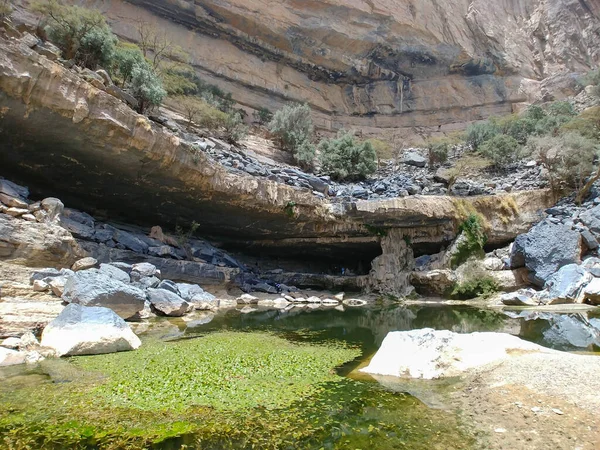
(82, 330)
(430, 354)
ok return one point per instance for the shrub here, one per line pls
(569, 159)
(305, 153)
(466, 164)
(592, 79)
(344, 158)
(81, 34)
(5, 9)
(263, 115)
(383, 150)
(586, 124)
(478, 133)
(477, 287)
(519, 128)
(196, 110)
(146, 87)
(438, 150)
(235, 130)
(292, 125)
(501, 150)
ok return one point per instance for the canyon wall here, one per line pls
(400, 68)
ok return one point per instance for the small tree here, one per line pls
(235, 129)
(344, 158)
(502, 150)
(126, 57)
(292, 125)
(478, 133)
(146, 87)
(437, 150)
(569, 160)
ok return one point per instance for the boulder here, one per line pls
(122, 95)
(13, 201)
(430, 354)
(145, 282)
(44, 273)
(53, 208)
(568, 331)
(144, 269)
(57, 284)
(13, 190)
(131, 242)
(40, 286)
(591, 219)
(114, 272)
(523, 297)
(166, 303)
(567, 285)
(82, 330)
(592, 265)
(545, 248)
(84, 264)
(93, 288)
(591, 292)
(433, 282)
(169, 285)
(247, 299)
(10, 357)
(414, 159)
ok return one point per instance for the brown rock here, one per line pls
(84, 263)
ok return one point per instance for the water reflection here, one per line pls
(367, 327)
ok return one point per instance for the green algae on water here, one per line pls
(226, 390)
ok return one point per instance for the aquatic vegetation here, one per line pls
(223, 390)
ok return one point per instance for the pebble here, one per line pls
(557, 411)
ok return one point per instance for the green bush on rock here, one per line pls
(344, 158)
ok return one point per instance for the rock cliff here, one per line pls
(63, 137)
(404, 68)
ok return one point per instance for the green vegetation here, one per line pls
(383, 150)
(5, 9)
(292, 126)
(225, 390)
(472, 242)
(235, 130)
(569, 160)
(478, 287)
(146, 87)
(290, 209)
(84, 36)
(263, 116)
(344, 158)
(592, 79)
(376, 231)
(438, 150)
(502, 150)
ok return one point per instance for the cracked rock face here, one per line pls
(379, 66)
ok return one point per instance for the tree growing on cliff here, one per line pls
(81, 34)
(344, 158)
(146, 87)
(292, 126)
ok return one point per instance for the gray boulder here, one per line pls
(169, 285)
(198, 297)
(114, 272)
(167, 303)
(93, 288)
(592, 265)
(130, 241)
(414, 159)
(567, 285)
(53, 208)
(81, 330)
(520, 298)
(144, 269)
(591, 218)
(545, 248)
(13, 190)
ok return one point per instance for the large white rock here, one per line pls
(83, 330)
(430, 354)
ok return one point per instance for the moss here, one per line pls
(290, 209)
(472, 245)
